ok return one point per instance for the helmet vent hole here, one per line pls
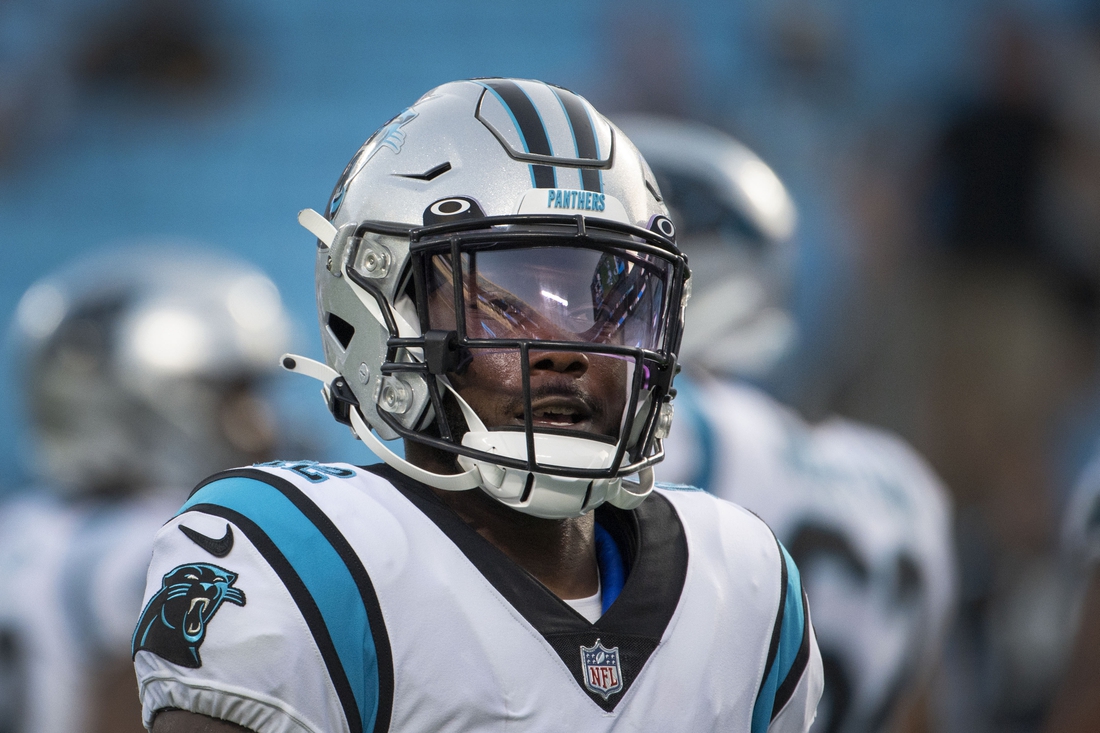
(341, 330)
(428, 175)
(527, 488)
(653, 190)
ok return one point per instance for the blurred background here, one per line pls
(944, 157)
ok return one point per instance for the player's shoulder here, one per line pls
(733, 551)
(695, 500)
(260, 566)
(708, 519)
(298, 472)
(254, 486)
(284, 499)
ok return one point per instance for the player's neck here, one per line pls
(560, 553)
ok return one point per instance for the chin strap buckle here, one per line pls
(340, 400)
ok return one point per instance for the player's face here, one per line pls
(570, 390)
(550, 295)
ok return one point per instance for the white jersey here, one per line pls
(72, 576)
(863, 516)
(328, 597)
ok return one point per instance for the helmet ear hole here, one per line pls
(341, 330)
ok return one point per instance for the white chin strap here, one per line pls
(541, 494)
(537, 494)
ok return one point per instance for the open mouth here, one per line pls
(559, 412)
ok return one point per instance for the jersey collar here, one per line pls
(654, 552)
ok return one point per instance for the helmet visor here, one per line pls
(554, 293)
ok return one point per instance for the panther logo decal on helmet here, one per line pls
(389, 136)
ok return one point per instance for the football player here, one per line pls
(863, 516)
(142, 372)
(498, 285)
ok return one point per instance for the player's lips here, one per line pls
(560, 412)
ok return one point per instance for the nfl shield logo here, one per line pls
(600, 666)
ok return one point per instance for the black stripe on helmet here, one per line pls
(530, 127)
(584, 134)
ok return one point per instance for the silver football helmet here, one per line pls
(501, 227)
(736, 222)
(142, 368)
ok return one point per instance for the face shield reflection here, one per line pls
(554, 294)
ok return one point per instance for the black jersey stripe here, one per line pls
(530, 127)
(302, 598)
(764, 705)
(787, 686)
(773, 647)
(383, 652)
(588, 147)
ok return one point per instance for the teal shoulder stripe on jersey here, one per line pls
(321, 569)
(791, 632)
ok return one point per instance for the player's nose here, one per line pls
(572, 363)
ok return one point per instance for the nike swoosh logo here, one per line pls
(217, 548)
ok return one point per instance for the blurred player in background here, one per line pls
(1076, 705)
(865, 518)
(143, 371)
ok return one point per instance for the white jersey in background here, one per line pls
(1081, 520)
(863, 516)
(297, 596)
(72, 575)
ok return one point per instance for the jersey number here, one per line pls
(312, 470)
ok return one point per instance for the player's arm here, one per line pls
(181, 721)
(794, 680)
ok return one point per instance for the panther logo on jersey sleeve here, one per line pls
(173, 624)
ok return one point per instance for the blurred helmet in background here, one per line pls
(142, 368)
(735, 222)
